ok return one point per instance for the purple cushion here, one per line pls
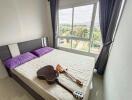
(42, 51)
(18, 60)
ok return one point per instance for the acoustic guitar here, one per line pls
(60, 69)
(50, 75)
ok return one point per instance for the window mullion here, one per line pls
(73, 38)
(72, 25)
(92, 25)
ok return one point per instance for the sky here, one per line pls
(82, 15)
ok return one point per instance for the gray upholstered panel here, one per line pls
(4, 53)
(30, 45)
(23, 47)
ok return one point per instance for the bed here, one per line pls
(25, 74)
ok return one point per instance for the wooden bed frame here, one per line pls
(24, 47)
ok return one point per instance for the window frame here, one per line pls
(90, 39)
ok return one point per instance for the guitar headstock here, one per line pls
(78, 95)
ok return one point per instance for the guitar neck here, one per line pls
(73, 78)
(65, 87)
(77, 94)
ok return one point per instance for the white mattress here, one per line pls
(78, 65)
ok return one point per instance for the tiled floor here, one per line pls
(11, 90)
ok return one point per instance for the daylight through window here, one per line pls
(78, 29)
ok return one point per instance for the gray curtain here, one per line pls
(54, 11)
(109, 12)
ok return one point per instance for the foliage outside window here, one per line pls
(78, 29)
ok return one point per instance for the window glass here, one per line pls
(75, 26)
(80, 45)
(82, 21)
(66, 43)
(65, 22)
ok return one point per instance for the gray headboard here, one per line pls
(4, 53)
(29, 45)
(23, 47)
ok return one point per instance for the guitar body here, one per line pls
(50, 75)
(47, 73)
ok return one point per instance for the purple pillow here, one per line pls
(18, 60)
(42, 51)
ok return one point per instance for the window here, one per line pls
(78, 29)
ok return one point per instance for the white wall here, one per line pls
(22, 20)
(118, 75)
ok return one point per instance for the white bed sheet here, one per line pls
(78, 65)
